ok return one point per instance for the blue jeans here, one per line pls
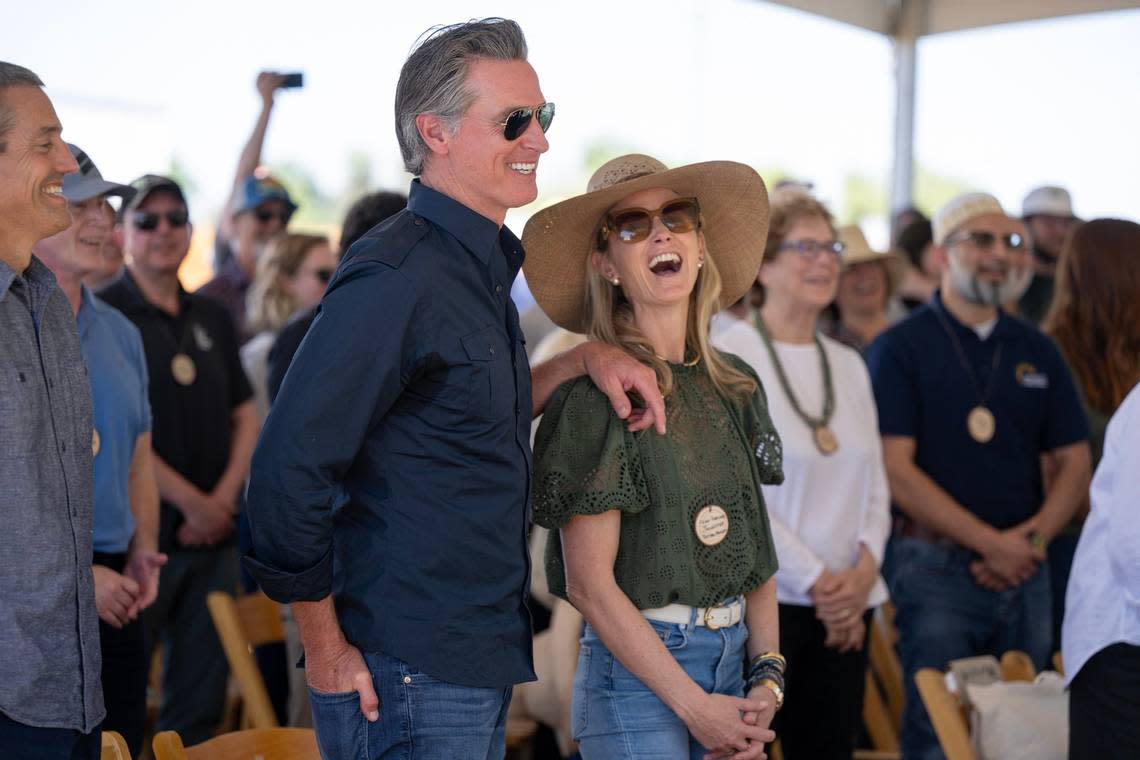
(421, 718)
(942, 615)
(616, 717)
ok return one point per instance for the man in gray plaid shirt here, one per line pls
(51, 701)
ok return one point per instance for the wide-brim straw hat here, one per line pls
(559, 239)
(858, 251)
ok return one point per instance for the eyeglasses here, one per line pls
(811, 249)
(986, 240)
(324, 274)
(265, 215)
(147, 221)
(632, 225)
(518, 120)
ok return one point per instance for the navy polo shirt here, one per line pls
(924, 392)
(393, 471)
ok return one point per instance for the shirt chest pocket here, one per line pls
(24, 424)
(486, 356)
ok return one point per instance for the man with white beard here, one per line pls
(969, 398)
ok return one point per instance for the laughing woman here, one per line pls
(662, 542)
(831, 518)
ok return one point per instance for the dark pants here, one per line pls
(22, 742)
(943, 615)
(194, 668)
(1062, 549)
(823, 701)
(125, 668)
(1104, 706)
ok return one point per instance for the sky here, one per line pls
(139, 84)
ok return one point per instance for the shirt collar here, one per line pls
(474, 231)
(37, 275)
(132, 287)
(1001, 329)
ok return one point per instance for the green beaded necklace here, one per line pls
(823, 436)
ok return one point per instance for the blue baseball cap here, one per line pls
(258, 190)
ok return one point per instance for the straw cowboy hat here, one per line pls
(858, 250)
(559, 239)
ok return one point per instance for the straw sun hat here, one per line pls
(559, 239)
(858, 250)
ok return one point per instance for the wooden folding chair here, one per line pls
(242, 625)
(884, 659)
(947, 714)
(114, 747)
(265, 743)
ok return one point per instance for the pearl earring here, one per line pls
(616, 281)
(700, 263)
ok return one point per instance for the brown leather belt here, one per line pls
(912, 529)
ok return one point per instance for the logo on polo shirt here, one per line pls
(202, 338)
(1028, 376)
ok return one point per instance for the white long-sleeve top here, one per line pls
(1102, 603)
(827, 506)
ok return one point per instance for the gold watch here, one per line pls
(773, 687)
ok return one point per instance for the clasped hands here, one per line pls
(1010, 558)
(839, 598)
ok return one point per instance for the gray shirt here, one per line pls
(49, 631)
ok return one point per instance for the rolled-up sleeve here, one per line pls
(350, 369)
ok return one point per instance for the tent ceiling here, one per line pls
(936, 16)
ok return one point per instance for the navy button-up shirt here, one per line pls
(924, 391)
(394, 468)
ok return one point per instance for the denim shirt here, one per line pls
(394, 468)
(49, 632)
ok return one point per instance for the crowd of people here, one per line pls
(760, 430)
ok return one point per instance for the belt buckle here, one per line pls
(717, 617)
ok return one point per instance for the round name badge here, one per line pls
(711, 525)
(183, 369)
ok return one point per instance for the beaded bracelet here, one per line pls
(763, 675)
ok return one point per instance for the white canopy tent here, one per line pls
(905, 21)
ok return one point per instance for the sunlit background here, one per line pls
(165, 87)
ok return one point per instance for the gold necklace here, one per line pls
(694, 362)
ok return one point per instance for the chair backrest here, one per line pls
(114, 747)
(945, 715)
(884, 660)
(1058, 663)
(1016, 666)
(243, 624)
(270, 743)
(883, 734)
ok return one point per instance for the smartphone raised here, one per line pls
(296, 79)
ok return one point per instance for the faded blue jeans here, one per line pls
(421, 718)
(616, 717)
(943, 615)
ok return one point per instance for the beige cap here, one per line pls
(961, 210)
(1050, 200)
(857, 250)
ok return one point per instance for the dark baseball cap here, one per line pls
(150, 183)
(88, 182)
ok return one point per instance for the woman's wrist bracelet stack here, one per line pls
(766, 670)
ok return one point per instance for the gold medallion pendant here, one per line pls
(711, 525)
(825, 440)
(980, 423)
(183, 369)
(96, 444)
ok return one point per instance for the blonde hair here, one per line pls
(270, 306)
(610, 319)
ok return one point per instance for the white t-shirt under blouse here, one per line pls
(828, 506)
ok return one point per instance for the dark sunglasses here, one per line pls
(811, 249)
(265, 215)
(632, 225)
(324, 275)
(147, 221)
(986, 240)
(518, 120)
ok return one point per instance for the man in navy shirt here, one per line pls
(390, 494)
(969, 398)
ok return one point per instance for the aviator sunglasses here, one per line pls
(518, 120)
(986, 240)
(632, 225)
(147, 221)
(265, 215)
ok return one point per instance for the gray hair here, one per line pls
(434, 78)
(12, 75)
